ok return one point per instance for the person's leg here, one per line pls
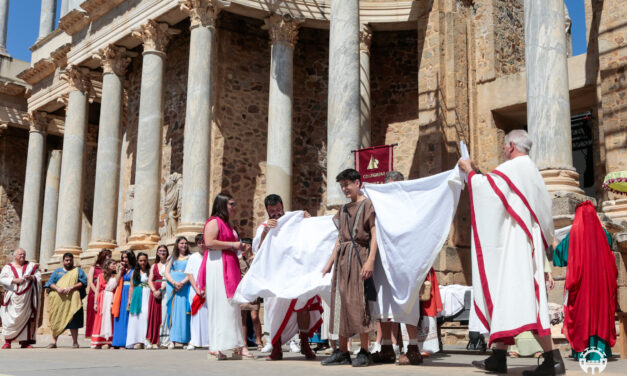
(254, 315)
(343, 344)
(303, 331)
(244, 328)
(364, 338)
(553, 363)
(74, 333)
(386, 353)
(497, 362)
(377, 343)
(412, 356)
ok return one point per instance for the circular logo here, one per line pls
(595, 366)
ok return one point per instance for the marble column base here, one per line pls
(561, 180)
(190, 230)
(616, 210)
(143, 242)
(56, 260)
(88, 257)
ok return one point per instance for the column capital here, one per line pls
(114, 59)
(38, 121)
(202, 12)
(365, 38)
(78, 78)
(155, 35)
(282, 28)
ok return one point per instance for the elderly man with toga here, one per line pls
(512, 227)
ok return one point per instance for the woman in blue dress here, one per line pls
(121, 321)
(177, 294)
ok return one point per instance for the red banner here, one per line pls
(373, 162)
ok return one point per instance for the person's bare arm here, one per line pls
(130, 295)
(368, 268)
(211, 239)
(96, 300)
(90, 283)
(329, 264)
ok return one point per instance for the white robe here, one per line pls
(20, 303)
(413, 222)
(199, 327)
(138, 324)
(512, 228)
(286, 272)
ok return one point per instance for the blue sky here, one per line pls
(24, 26)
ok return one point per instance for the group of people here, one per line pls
(188, 299)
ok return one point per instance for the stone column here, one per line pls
(70, 213)
(145, 232)
(31, 207)
(46, 19)
(343, 129)
(51, 202)
(365, 37)
(4, 23)
(65, 7)
(283, 32)
(114, 61)
(548, 101)
(197, 142)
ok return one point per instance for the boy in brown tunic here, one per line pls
(354, 259)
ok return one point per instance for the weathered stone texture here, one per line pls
(394, 96)
(240, 117)
(309, 127)
(509, 40)
(13, 144)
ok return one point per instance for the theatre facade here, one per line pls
(133, 115)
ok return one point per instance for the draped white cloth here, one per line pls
(413, 222)
(512, 227)
(290, 261)
(20, 303)
(199, 327)
(286, 272)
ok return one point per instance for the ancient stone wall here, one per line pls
(13, 146)
(509, 41)
(309, 127)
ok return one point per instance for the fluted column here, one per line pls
(365, 37)
(114, 61)
(283, 32)
(69, 216)
(4, 23)
(197, 141)
(145, 231)
(46, 18)
(51, 202)
(31, 207)
(343, 129)
(548, 101)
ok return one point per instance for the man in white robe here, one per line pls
(199, 325)
(512, 227)
(21, 281)
(279, 313)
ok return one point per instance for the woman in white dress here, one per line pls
(102, 333)
(222, 275)
(139, 294)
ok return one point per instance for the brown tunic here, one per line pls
(354, 315)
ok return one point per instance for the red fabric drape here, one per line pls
(590, 281)
(434, 305)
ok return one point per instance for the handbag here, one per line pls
(370, 291)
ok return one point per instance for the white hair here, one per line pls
(520, 139)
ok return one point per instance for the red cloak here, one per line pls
(590, 280)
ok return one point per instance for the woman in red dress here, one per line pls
(157, 287)
(92, 279)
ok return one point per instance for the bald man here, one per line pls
(21, 281)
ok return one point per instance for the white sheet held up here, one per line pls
(413, 222)
(290, 261)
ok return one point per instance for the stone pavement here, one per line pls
(69, 362)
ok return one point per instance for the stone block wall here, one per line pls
(509, 39)
(13, 144)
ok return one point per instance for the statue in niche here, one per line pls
(171, 204)
(128, 211)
